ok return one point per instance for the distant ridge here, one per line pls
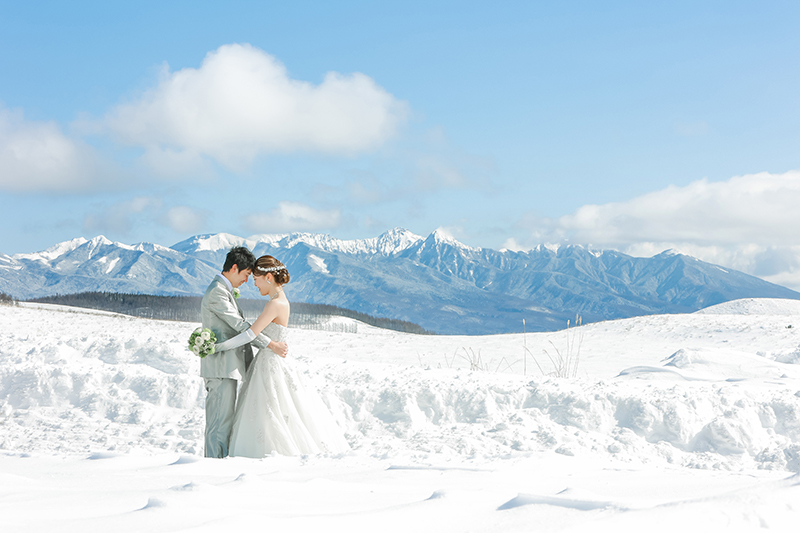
(187, 309)
(434, 281)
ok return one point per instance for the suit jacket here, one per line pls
(221, 314)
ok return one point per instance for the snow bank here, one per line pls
(693, 424)
(754, 306)
(76, 382)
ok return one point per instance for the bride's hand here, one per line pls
(280, 348)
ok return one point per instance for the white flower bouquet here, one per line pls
(201, 342)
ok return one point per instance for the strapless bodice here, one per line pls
(276, 332)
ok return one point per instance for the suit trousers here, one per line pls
(220, 405)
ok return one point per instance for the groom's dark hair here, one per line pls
(241, 257)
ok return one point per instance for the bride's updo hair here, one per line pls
(267, 263)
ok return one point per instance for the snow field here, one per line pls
(541, 492)
(82, 382)
(674, 421)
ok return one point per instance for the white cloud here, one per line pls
(512, 245)
(455, 232)
(367, 189)
(171, 163)
(123, 217)
(241, 102)
(183, 219)
(749, 223)
(437, 173)
(440, 165)
(290, 216)
(422, 163)
(120, 218)
(38, 157)
(756, 208)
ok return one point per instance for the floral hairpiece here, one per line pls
(271, 269)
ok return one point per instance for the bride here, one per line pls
(277, 411)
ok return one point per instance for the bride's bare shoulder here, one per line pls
(277, 304)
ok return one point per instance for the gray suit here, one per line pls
(221, 314)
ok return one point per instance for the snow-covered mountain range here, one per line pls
(435, 281)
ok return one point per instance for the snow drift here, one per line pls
(76, 381)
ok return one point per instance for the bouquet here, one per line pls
(202, 341)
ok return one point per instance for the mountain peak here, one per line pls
(100, 240)
(213, 242)
(549, 247)
(442, 236)
(668, 252)
(398, 232)
(390, 242)
(396, 240)
(55, 251)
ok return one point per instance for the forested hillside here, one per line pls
(187, 309)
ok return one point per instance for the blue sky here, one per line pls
(637, 126)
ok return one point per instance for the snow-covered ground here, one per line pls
(670, 421)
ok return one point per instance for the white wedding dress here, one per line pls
(278, 411)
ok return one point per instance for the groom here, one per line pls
(221, 314)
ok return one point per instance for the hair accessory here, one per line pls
(271, 269)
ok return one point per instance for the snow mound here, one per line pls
(716, 365)
(98, 384)
(755, 306)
